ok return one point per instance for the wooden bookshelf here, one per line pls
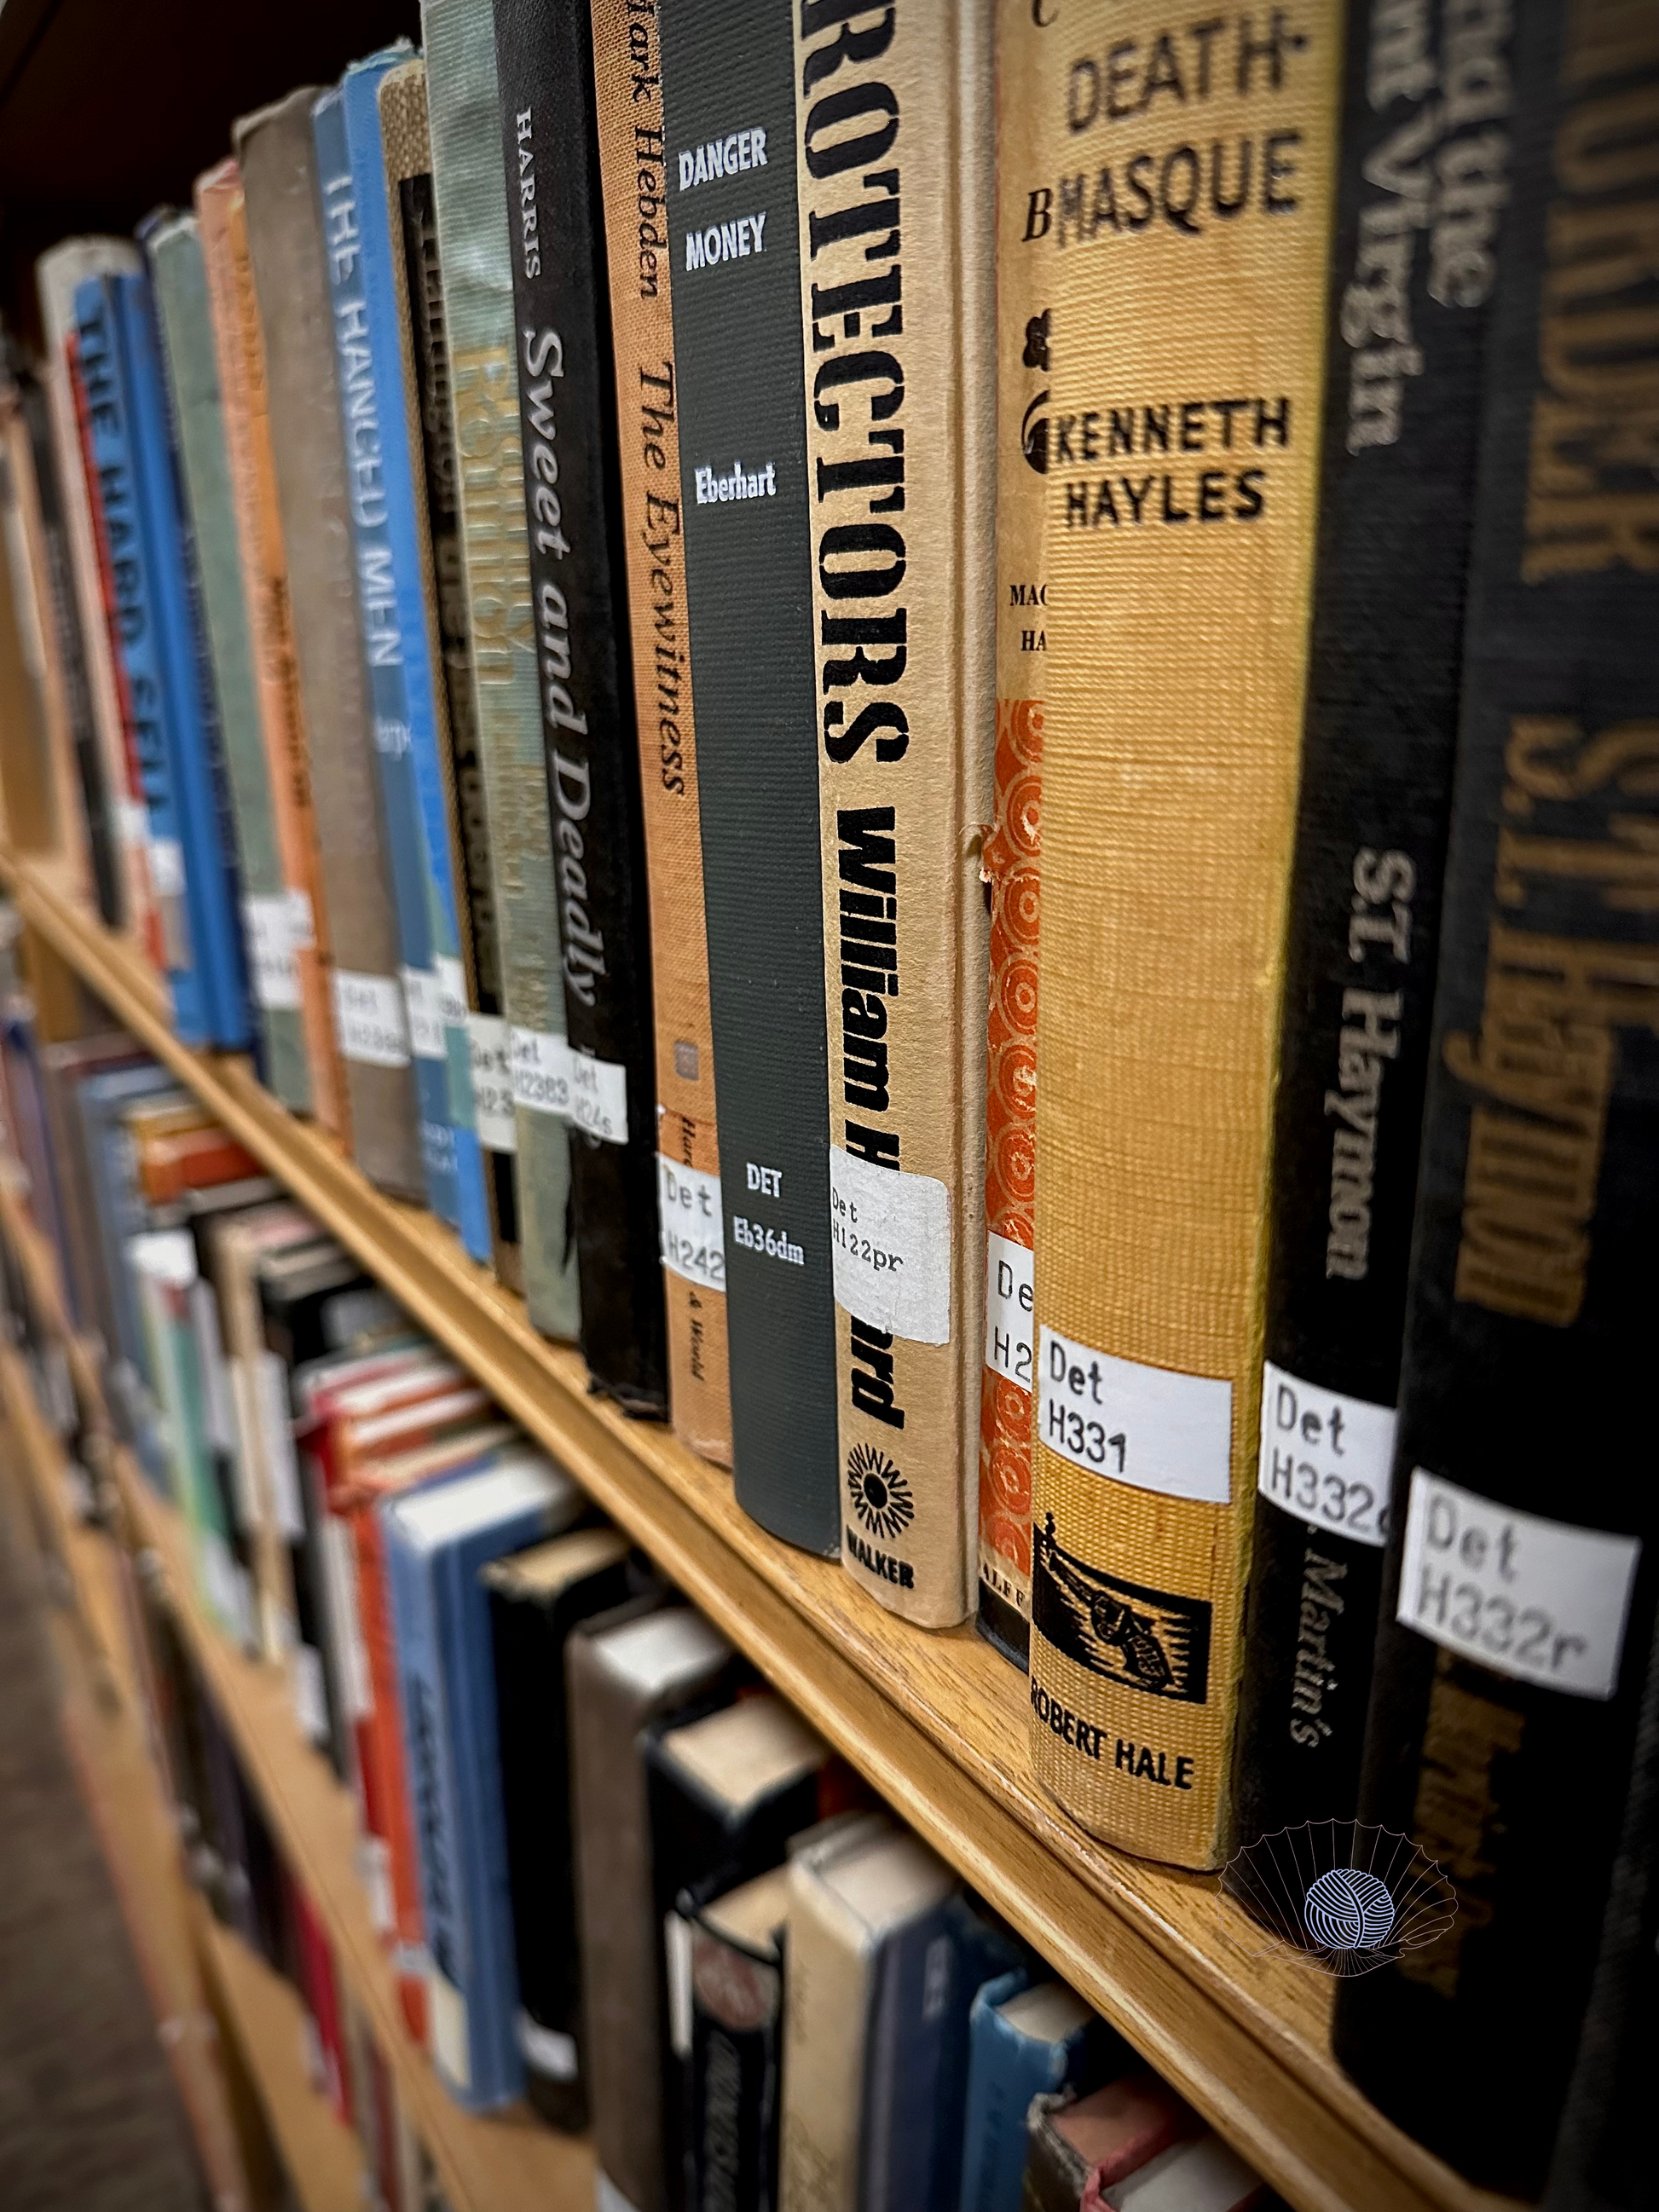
(936, 1722)
(322, 2159)
(103, 1736)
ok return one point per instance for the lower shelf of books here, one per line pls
(935, 1722)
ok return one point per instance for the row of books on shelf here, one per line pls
(612, 1870)
(420, 563)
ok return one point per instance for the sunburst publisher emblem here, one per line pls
(881, 1497)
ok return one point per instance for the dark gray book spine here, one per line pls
(568, 412)
(748, 589)
(1407, 342)
(1519, 1596)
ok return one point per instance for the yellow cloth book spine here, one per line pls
(895, 205)
(1190, 234)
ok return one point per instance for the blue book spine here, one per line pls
(103, 377)
(359, 91)
(211, 883)
(470, 1673)
(1005, 2070)
(428, 1745)
(365, 418)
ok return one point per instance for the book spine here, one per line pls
(415, 225)
(829, 1993)
(748, 573)
(369, 95)
(302, 935)
(66, 651)
(900, 764)
(211, 885)
(475, 246)
(409, 1936)
(634, 177)
(1013, 848)
(1402, 390)
(383, 645)
(1180, 538)
(56, 277)
(277, 155)
(567, 400)
(733, 2105)
(143, 913)
(178, 276)
(103, 380)
(429, 1750)
(1520, 1585)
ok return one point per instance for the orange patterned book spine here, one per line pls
(238, 344)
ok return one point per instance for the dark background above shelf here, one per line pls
(110, 108)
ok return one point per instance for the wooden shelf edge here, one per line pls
(1152, 1950)
(322, 2159)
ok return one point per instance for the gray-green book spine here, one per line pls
(179, 277)
(278, 157)
(475, 245)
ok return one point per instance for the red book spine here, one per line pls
(386, 1756)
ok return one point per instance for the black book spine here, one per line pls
(66, 619)
(573, 508)
(527, 1637)
(748, 594)
(481, 945)
(1422, 183)
(1519, 1599)
(734, 2083)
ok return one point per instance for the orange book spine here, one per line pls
(238, 346)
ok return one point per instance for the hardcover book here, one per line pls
(57, 275)
(623, 1670)
(1024, 2040)
(1520, 1584)
(735, 2070)
(1180, 538)
(634, 173)
(1025, 56)
(744, 508)
(208, 854)
(567, 401)
(179, 275)
(436, 474)
(1076, 2146)
(382, 270)
(101, 370)
(300, 933)
(475, 245)
(727, 1791)
(536, 1599)
(347, 179)
(901, 527)
(436, 1543)
(275, 154)
(1396, 490)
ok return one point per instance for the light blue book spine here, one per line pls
(359, 91)
(384, 654)
(211, 885)
(428, 1747)
(1005, 2069)
(104, 378)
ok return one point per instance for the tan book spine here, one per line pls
(827, 2010)
(633, 164)
(1189, 241)
(239, 344)
(895, 256)
(1023, 51)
